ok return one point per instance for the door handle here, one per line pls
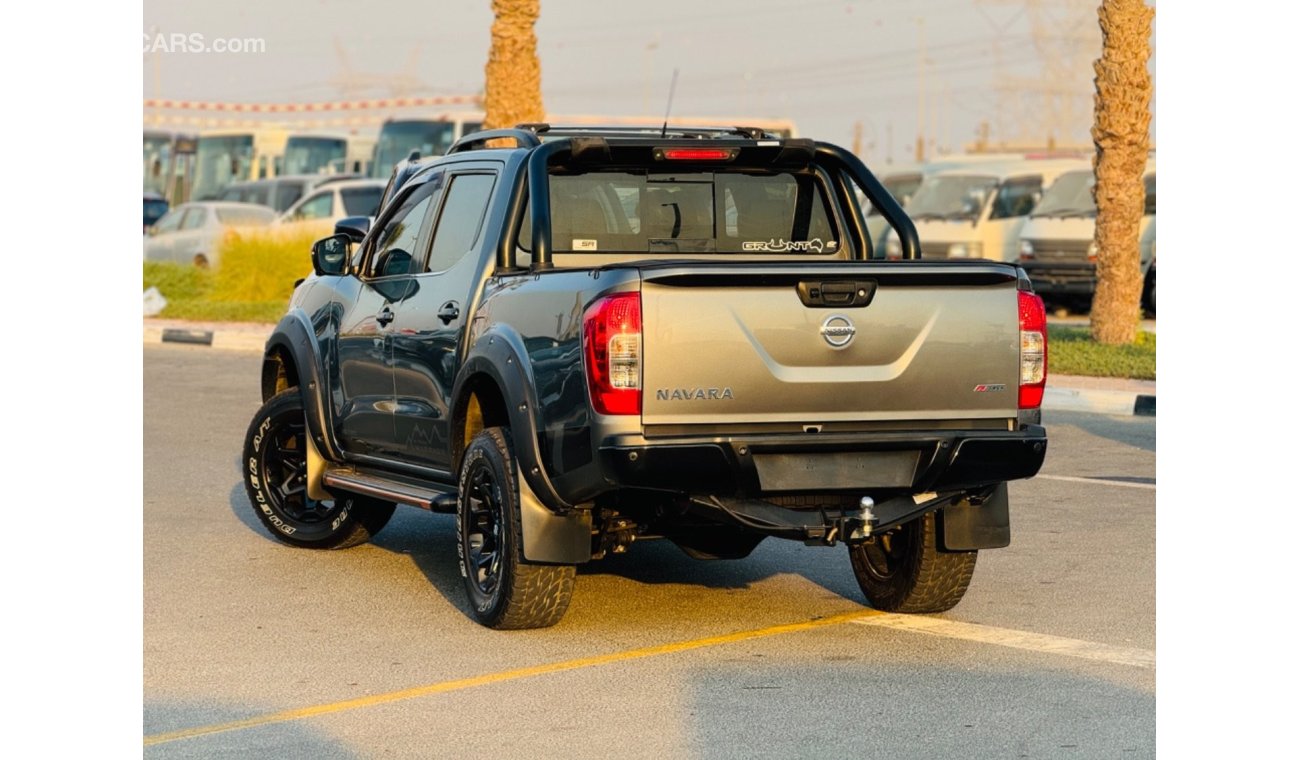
(448, 312)
(385, 316)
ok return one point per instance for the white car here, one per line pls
(334, 201)
(189, 233)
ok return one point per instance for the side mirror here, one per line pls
(329, 256)
(354, 227)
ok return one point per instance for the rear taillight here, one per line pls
(611, 338)
(1033, 350)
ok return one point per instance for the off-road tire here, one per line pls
(504, 590)
(275, 476)
(905, 571)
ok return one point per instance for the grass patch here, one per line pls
(225, 311)
(1072, 351)
(177, 282)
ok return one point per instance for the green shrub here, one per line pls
(1072, 351)
(256, 266)
(177, 282)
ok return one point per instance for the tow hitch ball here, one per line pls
(857, 527)
(850, 527)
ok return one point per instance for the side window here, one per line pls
(319, 206)
(460, 220)
(1149, 185)
(1017, 198)
(395, 246)
(194, 219)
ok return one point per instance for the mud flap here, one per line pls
(988, 526)
(552, 538)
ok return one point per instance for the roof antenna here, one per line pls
(671, 89)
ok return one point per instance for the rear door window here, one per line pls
(461, 219)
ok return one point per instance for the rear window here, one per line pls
(249, 217)
(698, 212)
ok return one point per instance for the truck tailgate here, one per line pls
(730, 345)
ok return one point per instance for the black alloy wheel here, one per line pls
(483, 537)
(275, 477)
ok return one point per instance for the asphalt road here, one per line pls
(256, 649)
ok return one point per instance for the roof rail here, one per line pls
(574, 130)
(478, 140)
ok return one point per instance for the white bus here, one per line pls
(432, 136)
(226, 156)
(168, 164)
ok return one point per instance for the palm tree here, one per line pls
(514, 75)
(1120, 132)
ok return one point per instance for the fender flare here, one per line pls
(295, 337)
(554, 530)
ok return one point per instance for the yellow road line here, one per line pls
(506, 675)
(1033, 642)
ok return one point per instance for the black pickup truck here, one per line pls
(598, 336)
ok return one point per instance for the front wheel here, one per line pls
(275, 476)
(504, 591)
(904, 570)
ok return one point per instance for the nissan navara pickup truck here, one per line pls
(577, 339)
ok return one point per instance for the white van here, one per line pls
(976, 211)
(902, 181)
(1057, 246)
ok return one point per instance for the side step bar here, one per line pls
(390, 487)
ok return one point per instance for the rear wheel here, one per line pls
(504, 591)
(904, 570)
(275, 476)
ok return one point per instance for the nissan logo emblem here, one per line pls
(838, 331)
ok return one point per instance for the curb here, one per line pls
(1099, 401)
(253, 340)
(1069, 398)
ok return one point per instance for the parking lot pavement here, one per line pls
(255, 649)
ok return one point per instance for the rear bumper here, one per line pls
(911, 462)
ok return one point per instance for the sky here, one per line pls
(829, 65)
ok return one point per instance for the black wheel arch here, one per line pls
(496, 372)
(292, 358)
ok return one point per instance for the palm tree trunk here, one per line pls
(1120, 129)
(513, 92)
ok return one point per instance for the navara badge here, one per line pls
(838, 331)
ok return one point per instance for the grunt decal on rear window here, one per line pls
(781, 245)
